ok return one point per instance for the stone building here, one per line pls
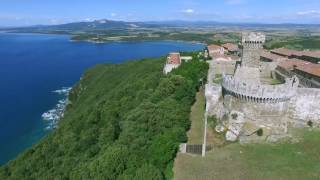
(310, 56)
(249, 108)
(214, 50)
(223, 59)
(231, 48)
(251, 45)
(307, 72)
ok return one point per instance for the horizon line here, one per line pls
(164, 21)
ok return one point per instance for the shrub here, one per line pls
(234, 116)
(260, 132)
(212, 121)
(310, 123)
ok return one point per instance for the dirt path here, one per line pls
(195, 134)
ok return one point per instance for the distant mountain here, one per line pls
(104, 24)
(203, 24)
(99, 24)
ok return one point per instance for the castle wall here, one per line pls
(226, 67)
(304, 82)
(250, 54)
(271, 117)
(267, 68)
(306, 107)
(213, 94)
(251, 43)
(259, 93)
(245, 106)
(308, 82)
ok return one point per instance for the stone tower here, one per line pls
(251, 45)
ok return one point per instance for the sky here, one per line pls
(34, 12)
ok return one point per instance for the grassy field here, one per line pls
(195, 134)
(294, 42)
(255, 161)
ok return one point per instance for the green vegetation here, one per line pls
(310, 123)
(284, 160)
(195, 134)
(276, 82)
(217, 79)
(294, 42)
(166, 34)
(260, 132)
(124, 121)
(212, 122)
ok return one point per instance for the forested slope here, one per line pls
(123, 121)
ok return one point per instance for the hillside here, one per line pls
(123, 121)
(84, 26)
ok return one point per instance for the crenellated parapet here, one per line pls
(253, 38)
(251, 45)
(260, 93)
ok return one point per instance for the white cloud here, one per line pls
(309, 13)
(234, 2)
(188, 11)
(113, 14)
(88, 19)
(54, 21)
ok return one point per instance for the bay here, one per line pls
(33, 66)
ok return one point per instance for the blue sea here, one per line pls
(34, 66)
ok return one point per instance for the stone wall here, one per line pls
(251, 44)
(281, 74)
(266, 68)
(305, 106)
(258, 92)
(245, 118)
(226, 67)
(244, 106)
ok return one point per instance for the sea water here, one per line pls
(37, 71)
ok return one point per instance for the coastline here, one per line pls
(143, 40)
(106, 41)
(59, 69)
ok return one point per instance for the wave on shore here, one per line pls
(53, 115)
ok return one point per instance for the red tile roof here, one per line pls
(230, 47)
(314, 54)
(289, 52)
(289, 64)
(213, 47)
(272, 57)
(174, 58)
(284, 51)
(313, 69)
(225, 57)
(308, 67)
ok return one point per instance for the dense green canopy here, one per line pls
(123, 121)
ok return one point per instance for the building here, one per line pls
(231, 48)
(174, 58)
(308, 73)
(266, 56)
(252, 43)
(245, 103)
(284, 52)
(173, 61)
(215, 49)
(311, 56)
(222, 60)
(304, 64)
